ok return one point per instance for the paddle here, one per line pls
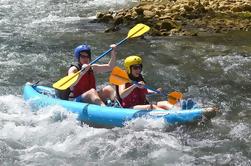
(119, 77)
(67, 81)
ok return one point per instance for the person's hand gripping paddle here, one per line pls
(67, 81)
(120, 77)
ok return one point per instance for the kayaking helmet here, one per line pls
(82, 48)
(132, 60)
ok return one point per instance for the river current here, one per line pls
(37, 39)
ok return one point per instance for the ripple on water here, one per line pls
(36, 41)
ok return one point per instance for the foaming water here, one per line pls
(53, 136)
(36, 137)
(37, 39)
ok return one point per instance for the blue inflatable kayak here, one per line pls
(41, 96)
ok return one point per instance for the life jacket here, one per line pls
(86, 82)
(136, 97)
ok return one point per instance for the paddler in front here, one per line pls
(131, 90)
(84, 89)
(133, 95)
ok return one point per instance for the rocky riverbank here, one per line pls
(182, 17)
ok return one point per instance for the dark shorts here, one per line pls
(76, 99)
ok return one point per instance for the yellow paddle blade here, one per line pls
(118, 76)
(66, 82)
(138, 30)
(174, 97)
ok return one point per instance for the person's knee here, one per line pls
(92, 92)
(108, 92)
(89, 94)
(108, 89)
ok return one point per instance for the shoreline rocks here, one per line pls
(182, 17)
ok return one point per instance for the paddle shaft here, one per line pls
(69, 80)
(102, 55)
(109, 50)
(120, 77)
(106, 52)
(150, 88)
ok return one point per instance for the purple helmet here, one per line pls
(82, 48)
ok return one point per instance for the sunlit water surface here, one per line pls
(37, 39)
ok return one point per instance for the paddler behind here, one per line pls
(84, 89)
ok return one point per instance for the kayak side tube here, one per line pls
(40, 96)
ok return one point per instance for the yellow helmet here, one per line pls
(132, 60)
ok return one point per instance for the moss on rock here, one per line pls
(168, 17)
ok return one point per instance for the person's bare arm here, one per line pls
(101, 68)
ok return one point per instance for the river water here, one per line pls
(37, 39)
